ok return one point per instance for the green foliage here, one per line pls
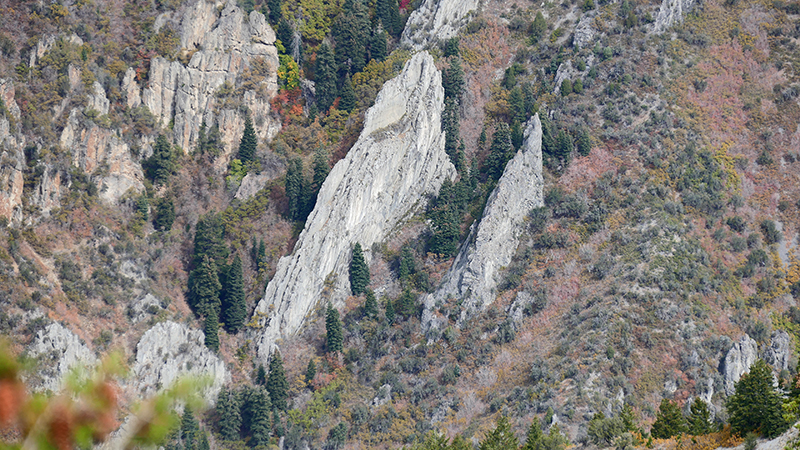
(211, 329)
(311, 371)
(236, 173)
(388, 11)
(699, 420)
(325, 77)
(333, 331)
(370, 308)
(337, 436)
(206, 289)
(603, 431)
(501, 152)
(350, 31)
(348, 100)
(389, 312)
(298, 191)
(451, 47)
(288, 73)
(378, 45)
(584, 142)
(256, 419)
(453, 145)
(669, 421)
(234, 308)
(406, 304)
(771, 233)
(248, 143)
(161, 164)
(538, 28)
(501, 438)
(165, 214)
(566, 87)
(274, 14)
(229, 411)
(277, 386)
(359, 272)
(577, 86)
(453, 80)
(757, 406)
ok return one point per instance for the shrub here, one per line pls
(771, 233)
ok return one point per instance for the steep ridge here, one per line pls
(491, 244)
(398, 160)
(11, 154)
(436, 20)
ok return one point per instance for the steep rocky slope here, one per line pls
(398, 159)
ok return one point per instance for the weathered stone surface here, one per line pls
(492, 243)
(97, 99)
(271, 168)
(144, 308)
(169, 350)
(436, 20)
(130, 89)
(226, 41)
(398, 160)
(672, 12)
(738, 361)
(59, 351)
(584, 36)
(12, 157)
(779, 351)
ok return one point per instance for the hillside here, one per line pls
(560, 209)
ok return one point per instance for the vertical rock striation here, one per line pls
(436, 20)
(671, 13)
(738, 361)
(397, 161)
(12, 158)
(492, 243)
(59, 351)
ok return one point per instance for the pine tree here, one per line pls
(564, 145)
(700, 418)
(230, 417)
(516, 102)
(757, 406)
(165, 214)
(451, 47)
(389, 313)
(189, 429)
(256, 415)
(348, 100)
(378, 45)
(538, 27)
(548, 137)
(535, 436)
(206, 288)
(453, 80)
(359, 272)
(234, 309)
(584, 142)
(274, 11)
(337, 436)
(501, 152)
(311, 371)
(349, 31)
(445, 224)
(669, 421)
(407, 265)
(161, 164)
(211, 329)
(277, 386)
(517, 135)
(247, 146)
(325, 78)
(295, 189)
(452, 140)
(285, 34)
(501, 438)
(261, 375)
(370, 305)
(388, 11)
(406, 304)
(333, 330)
(209, 240)
(566, 87)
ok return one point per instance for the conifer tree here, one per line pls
(445, 224)
(325, 78)
(535, 435)
(206, 288)
(538, 27)
(548, 137)
(584, 142)
(333, 330)
(452, 141)
(359, 272)
(277, 386)
(189, 429)
(406, 304)
(311, 371)
(564, 145)
(516, 135)
(453, 80)
(295, 189)
(248, 143)
(451, 47)
(285, 34)
(757, 406)
(348, 100)
(389, 313)
(229, 411)
(165, 214)
(234, 309)
(321, 169)
(700, 418)
(388, 11)
(261, 375)
(349, 31)
(669, 421)
(378, 45)
(209, 240)
(407, 265)
(161, 164)
(500, 153)
(256, 415)
(516, 102)
(370, 305)
(211, 330)
(274, 11)
(203, 444)
(501, 438)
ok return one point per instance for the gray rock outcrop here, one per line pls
(397, 161)
(169, 350)
(12, 157)
(738, 361)
(492, 243)
(779, 351)
(59, 350)
(436, 20)
(584, 36)
(225, 43)
(671, 13)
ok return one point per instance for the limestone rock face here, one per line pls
(225, 44)
(585, 31)
(398, 160)
(169, 350)
(779, 351)
(131, 89)
(12, 157)
(492, 243)
(60, 351)
(738, 361)
(436, 20)
(99, 150)
(671, 13)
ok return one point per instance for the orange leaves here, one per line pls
(12, 394)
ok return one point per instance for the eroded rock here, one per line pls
(436, 20)
(671, 13)
(738, 361)
(59, 351)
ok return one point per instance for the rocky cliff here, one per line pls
(12, 158)
(59, 350)
(436, 20)
(398, 159)
(491, 244)
(671, 13)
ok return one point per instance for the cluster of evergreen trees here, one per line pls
(216, 288)
(302, 191)
(502, 437)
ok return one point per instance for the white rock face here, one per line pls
(97, 99)
(12, 157)
(779, 351)
(398, 160)
(672, 12)
(227, 42)
(491, 244)
(60, 350)
(585, 31)
(436, 20)
(131, 89)
(169, 350)
(738, 361)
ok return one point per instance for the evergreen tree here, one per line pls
(566, 87)
(234, 308)
(203, 444)
(534, 437)
(453, 80)
(350, 32)
(348, 100)
(359, 272)
(165, 214)
(445, 224)
(295, 189)
(577, 86)
(230, 417)
(407, 266)
(564, 145)
(517, 135)
(274, 11)
(538, 27)
(501, 438)
(378, 45)
(277, 386)
(285, 34)
(370, 305)
(757, 406)
(321, 169)
(333, 330)
(669, 421)
(389, 313)
(584, 142)
(256, 415)
(261, 256)
(406, 304)
(190, 429)
(209, 240)
(700, 418)
(337, 436)
(453, 145)
(206, 288)
(261, 375)
(213, 143)
(451, 47)
(211, 329)
(311, 371)
(161, 164)
(325, 78)
(501, 152)
(247, 146)
(628, 419)
(388, 11)
(516, 102)
(548, 137)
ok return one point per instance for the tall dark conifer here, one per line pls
(256, 415)
(501, 152)
(211, 330)
(248, 143)
(350, 32)
(359, 272)
(348, 101)
(333, 330)
(277, 386)
(388, 11)
(234, 308)
(206, 288)
(296, 189)
(229, 411)
(325, 78)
